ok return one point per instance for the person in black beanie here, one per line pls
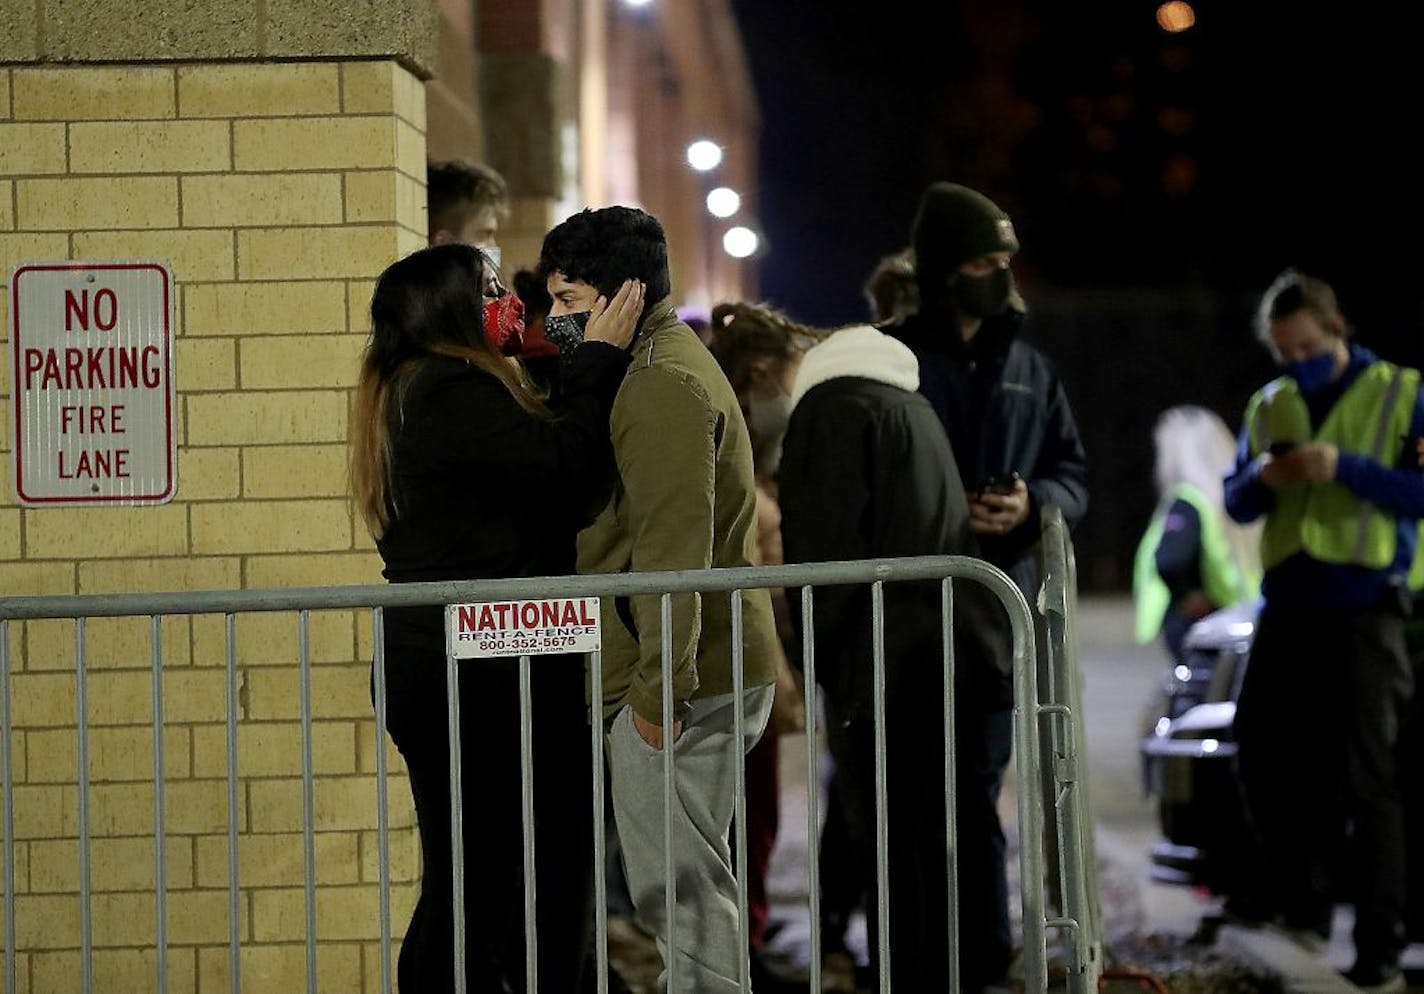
(1017, 447)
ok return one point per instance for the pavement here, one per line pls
(1139, 914)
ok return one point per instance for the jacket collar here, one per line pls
(658, 317)
(941, 335)
(860, 351)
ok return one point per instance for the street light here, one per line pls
(724, 202)
(704, 155)
(740, 242)
(1176, 16)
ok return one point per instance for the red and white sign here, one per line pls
(93, 384)
(523, 628)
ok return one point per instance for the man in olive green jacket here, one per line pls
(684, 499)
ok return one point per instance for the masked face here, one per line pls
(985, 296)
(768, 419)
(1313, 373)
(1307, 351)
(566, 331)
(504, 323)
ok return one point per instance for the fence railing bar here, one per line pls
(234, 896)
(383, 817)
(739, 817)
(86, 909)
(1027, 769)
(669, 794)
(882, 800)
(160, 782)
(1089, 840)
(457, 820)
(951, 786)
(1077, 850)
(813, 782)
(308, 796)
(526, 794)
(465, 591)
(7, 800)
(600, 826)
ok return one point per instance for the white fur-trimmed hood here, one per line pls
(860, 351)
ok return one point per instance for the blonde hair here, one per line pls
(1194, 447)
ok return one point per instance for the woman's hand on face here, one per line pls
(615, 321)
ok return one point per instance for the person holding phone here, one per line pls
(1327, 460)
(1016, 444)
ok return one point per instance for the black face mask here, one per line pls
(566, 331)
(983, 296)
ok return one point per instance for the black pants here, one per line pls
(1174, 634)
(1318, 721)
(494, 894)
(918, 872)
(842, 886)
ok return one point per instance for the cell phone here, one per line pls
(1279, 449)
(1000, 483)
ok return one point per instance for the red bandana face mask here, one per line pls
(504, 323)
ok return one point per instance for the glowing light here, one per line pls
(724, 201)
(740, 243)
(704, 155)
(1176, 16)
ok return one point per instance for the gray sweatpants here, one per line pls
(706, 933)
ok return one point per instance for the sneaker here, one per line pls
(1377, 978)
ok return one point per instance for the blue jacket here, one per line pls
(1303, 582)
(1004, 409)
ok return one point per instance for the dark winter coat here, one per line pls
(1005, 411)
(866, 472)
(484, 489)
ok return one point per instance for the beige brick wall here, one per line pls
(277, 193)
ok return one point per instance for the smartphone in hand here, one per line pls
(1000, 483)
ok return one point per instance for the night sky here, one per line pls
(1158, 183)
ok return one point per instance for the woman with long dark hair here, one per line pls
(462, 470)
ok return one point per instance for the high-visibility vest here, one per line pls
(1224, 578)
(1416, 569)
(1326, 520)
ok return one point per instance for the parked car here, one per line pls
(1189, 754)
(1189, 762)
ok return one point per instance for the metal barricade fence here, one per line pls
(1077, 845)
(377, 598)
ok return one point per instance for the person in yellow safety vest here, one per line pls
(1193, 559)
(1327, 459)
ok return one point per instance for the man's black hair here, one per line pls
(530, 289)
(605, 247)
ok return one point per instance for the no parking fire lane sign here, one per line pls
(92, 368)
